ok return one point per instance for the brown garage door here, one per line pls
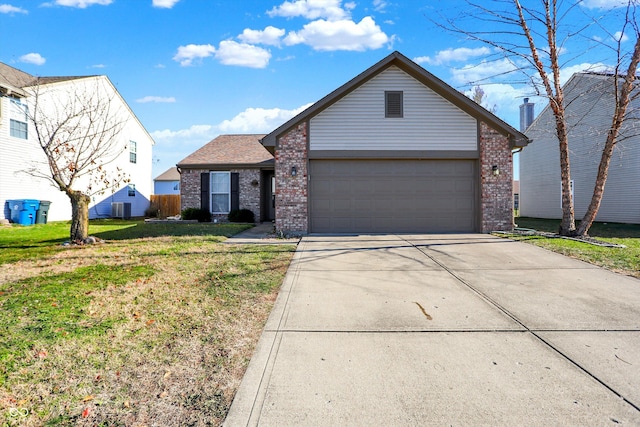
(387, 196)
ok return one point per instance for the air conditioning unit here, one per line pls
(121, 210)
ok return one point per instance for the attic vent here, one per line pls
(393, 104)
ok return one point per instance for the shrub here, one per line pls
(241, 215)
(202, 215)
(153, 211)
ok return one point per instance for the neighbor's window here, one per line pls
(131, 190)
(393, 101)
(18, 127)
(220, 192)
(176, 187)
(133, 152)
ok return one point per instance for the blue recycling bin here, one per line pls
(23, 211)
(14, 208)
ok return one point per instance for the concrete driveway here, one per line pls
(444, 330)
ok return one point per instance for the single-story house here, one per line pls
(589, 110)
(230, 172)
(394, 150)
(168, 182)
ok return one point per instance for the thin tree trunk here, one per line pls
(79, 216)
(622, 102)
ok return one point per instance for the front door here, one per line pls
(269, 198)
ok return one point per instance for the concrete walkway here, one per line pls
(444, 330)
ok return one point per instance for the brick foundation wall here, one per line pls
(292, 191)
(249, 193)
(496, 199)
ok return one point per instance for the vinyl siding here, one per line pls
(357, 121)
(589, 116)
(18, 154)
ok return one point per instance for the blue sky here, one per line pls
(194, 69)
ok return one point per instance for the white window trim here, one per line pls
(133, 152)
(211, 193)
(16, 103)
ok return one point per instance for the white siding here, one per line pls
(357, 121)
(16, 155)
(589, 116)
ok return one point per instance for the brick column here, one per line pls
(292, 212)
(496, 199)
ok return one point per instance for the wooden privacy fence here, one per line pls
(167, 204)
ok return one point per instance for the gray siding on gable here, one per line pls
(357, 122)
(589, 117)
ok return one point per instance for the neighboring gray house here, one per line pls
(590, 104)
(230, 172)
(394, 150)
(168, 182)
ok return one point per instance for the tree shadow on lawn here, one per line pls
(142, 230)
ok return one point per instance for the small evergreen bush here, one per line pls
(202, 215)
(241, 215)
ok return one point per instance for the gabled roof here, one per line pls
(170, 174)
(517, 138)
(13, 80)
(230, 151)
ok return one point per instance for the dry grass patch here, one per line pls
(150, 331)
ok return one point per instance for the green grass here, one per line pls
(623, 260)
(155, 326)
(45, 239)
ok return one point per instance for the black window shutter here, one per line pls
(235, 191)
(393, 104)
(204, 191)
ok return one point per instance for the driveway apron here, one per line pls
(444, 330)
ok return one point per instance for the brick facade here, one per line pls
(250, 191)
(496, 191)
(496, 196)
(292, 191)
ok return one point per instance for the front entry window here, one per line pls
(220, 192)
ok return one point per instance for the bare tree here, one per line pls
(78, 127)
(533, 39)
(479, 96)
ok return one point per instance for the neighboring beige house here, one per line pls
(229, 172)
(589, 108)
(20, 149)
(394, 150)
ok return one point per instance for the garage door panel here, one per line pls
(393, 195)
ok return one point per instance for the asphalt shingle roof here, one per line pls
(232, 150)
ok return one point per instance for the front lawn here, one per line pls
(622, 260)
(155, 326)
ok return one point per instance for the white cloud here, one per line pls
(340, 35)
(156, 99)
(477, 73)
(201, 132)
(245, 55)
(269, 36)
(453, 55)
(98, 66)
(165, 4)
(313, 9)
(82, 4)
(603, 4)
(259, 120)
(191, 52)
(33, 58)
(619, 36)
(380, 5)
(566, 73)
(7, 8)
